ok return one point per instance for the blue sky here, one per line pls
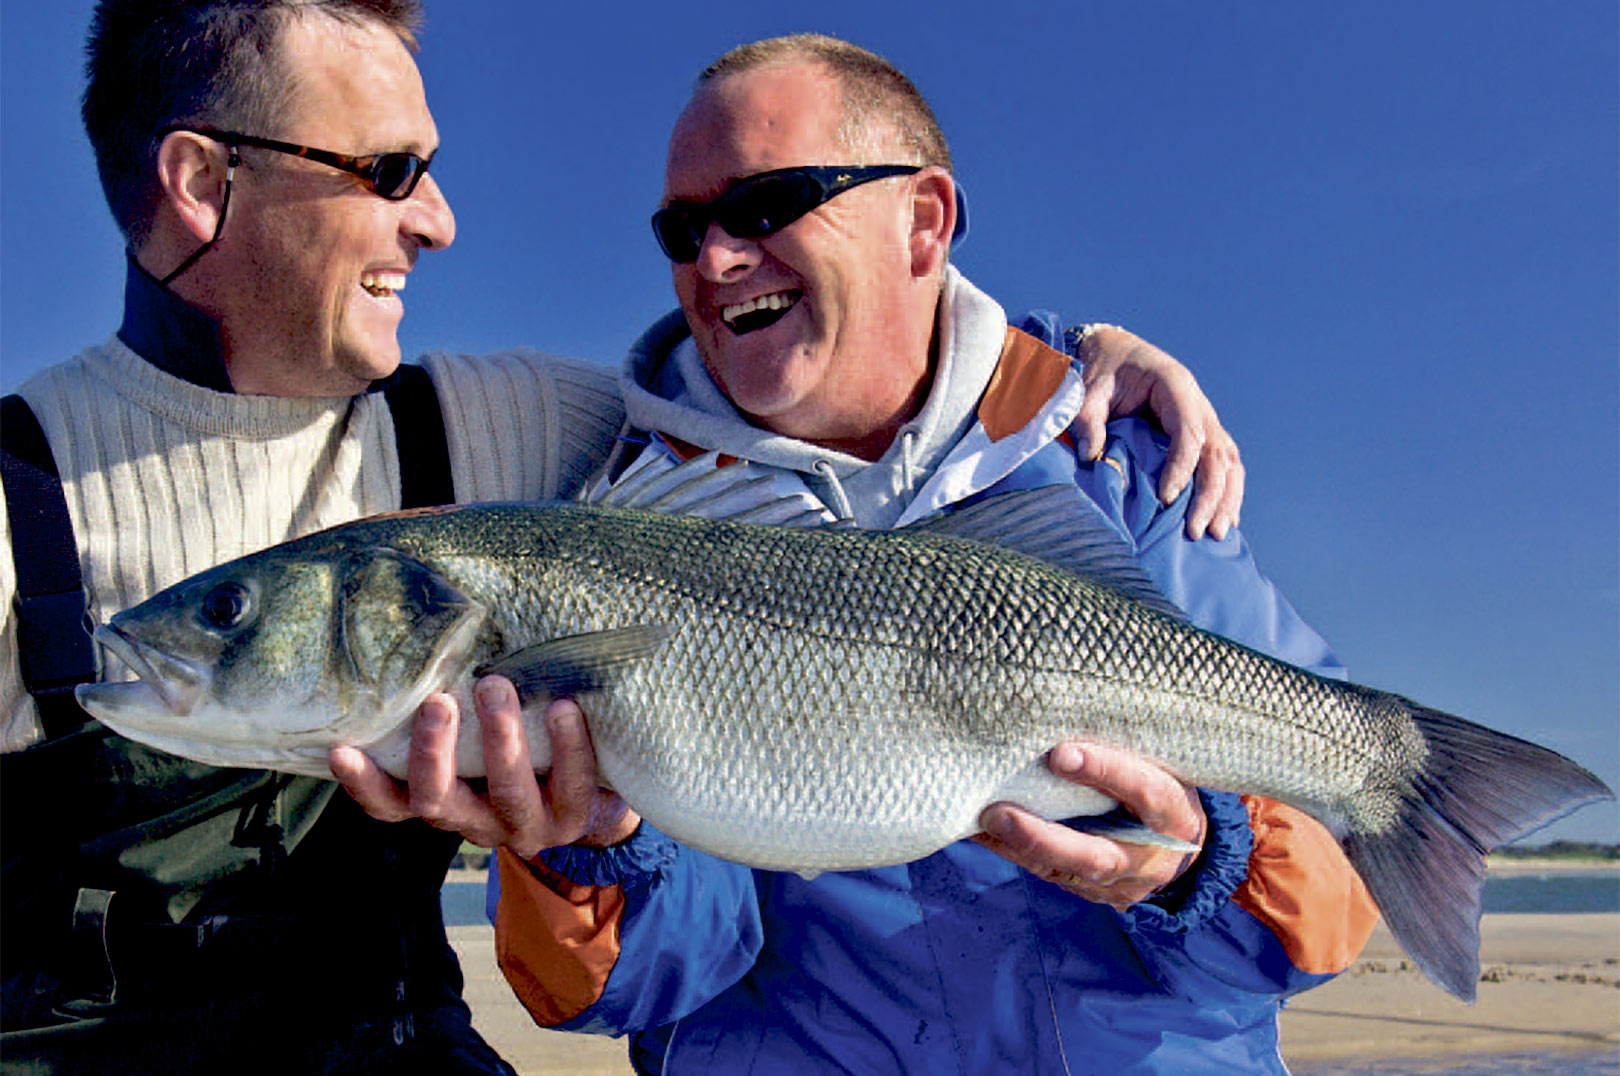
(1383, 234)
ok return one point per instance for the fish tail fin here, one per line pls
(1478, 789)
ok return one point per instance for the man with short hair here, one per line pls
(824, 338)
(269, 164)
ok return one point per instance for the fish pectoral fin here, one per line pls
(1122, 826)
(575, 664)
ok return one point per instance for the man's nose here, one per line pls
(723, 258)
(427, 219)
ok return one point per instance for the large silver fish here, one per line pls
(820, 698)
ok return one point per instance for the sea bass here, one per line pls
(812, 698)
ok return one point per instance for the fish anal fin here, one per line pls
(1122, 826)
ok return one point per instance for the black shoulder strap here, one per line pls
(54, 650)
(424, 454)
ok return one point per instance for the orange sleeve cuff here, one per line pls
(556, 941)
(1304, 890)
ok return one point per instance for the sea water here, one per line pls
(1601, 1063)
(1552, 892)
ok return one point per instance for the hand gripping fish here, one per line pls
(810, 697)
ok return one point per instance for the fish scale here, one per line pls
(818, 698)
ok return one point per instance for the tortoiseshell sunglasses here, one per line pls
(389, 175)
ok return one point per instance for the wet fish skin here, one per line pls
(818, 699)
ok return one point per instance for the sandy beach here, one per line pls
(1548, 983)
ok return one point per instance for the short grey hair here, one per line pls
(877, 96)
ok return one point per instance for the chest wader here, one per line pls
(175, 905)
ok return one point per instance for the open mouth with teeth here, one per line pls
(759, 312)
(382, 284)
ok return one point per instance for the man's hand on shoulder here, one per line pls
(514, 807)
(1123, 374)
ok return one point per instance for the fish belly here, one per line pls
(820, 754)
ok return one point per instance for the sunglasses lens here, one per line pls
(752, 209)
(757, 207)
(678, 234)
(394, 175)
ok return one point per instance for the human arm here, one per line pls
(19, 721)
(1123, 375)
(587, 892)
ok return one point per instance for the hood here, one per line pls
(668, 390)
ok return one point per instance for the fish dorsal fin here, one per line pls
(1059, 525)
(575, 664)
(741, 492)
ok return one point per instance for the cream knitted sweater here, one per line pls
(164, 478)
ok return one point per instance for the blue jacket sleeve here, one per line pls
(661, 974)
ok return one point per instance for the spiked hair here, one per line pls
(153, 63)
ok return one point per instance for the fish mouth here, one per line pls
(179, 683)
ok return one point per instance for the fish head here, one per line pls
(272, 659)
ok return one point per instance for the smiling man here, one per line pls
(269, 163)
(824, 338)
(305, 284)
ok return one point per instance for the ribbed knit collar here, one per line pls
(170, 333)
(175, 336)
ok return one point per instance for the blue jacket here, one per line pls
(960, 962)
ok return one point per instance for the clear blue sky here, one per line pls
(1383, 234)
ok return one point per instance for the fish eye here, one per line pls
(226, 606)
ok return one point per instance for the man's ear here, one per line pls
(191, 170)
(933, 219)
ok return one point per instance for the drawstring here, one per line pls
(908, 466)
(824, 468)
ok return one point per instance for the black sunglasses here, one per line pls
(389, 175)
(760, 204)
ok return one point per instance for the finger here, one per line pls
(1232, 500)
(431, 769)
(1163, 803)
(1208, 495)
(514, 798)
(435, 794)
(572, 785)
(1091, 422)
(1048, 849)
(1186, 453)
(378, 794)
